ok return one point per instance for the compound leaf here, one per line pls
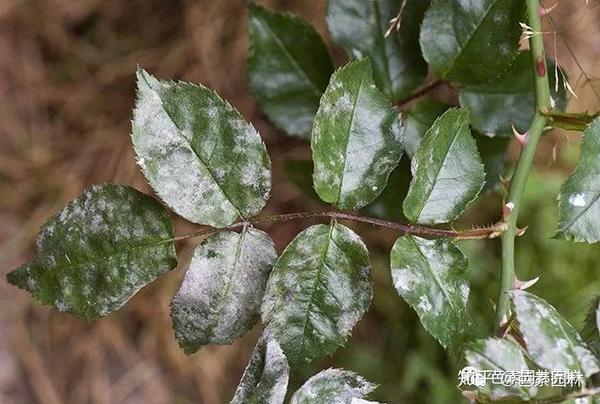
(98, 251)
(447, 171)
(333, 386)
(551, 341)
(220, 296)
(288, 68)
(508, 100)
(502, 355)
(320, 287)
(471, 41)
(360, 26)
(266, 377)
(356, 140)
(432, 276)
(197, 152)
(579, 198)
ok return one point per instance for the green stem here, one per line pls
(519, 179)
(429, 232)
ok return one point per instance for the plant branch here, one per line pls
(519, 179)
(406, 229)
(570, 121)
(420, 93)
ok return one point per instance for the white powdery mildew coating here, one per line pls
(333, 386)
(191, 186)
(431, 276)
(577, 200)
(221, 293)
(266, 377)
(552, 342)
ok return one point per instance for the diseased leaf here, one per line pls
(221, 293)
(356, 140)
(591, 328)
(509, 99)
(502, 355)
(266, 377)
(98, 251)
(288, 68)
(320, 287)
(578, 201)
(432, 276)
(447, 171)
(359, 27)
(332, 386)
(418, 120)
(471, 41)
(197, 152)
(551, 341)
(387, 205)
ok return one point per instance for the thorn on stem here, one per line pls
(540, 66)
(521, 137)
(522, 285)
(522, 231)
(507, 210)
(544, 11)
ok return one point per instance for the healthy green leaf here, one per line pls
(591, 328)
(200, 156)
(471, 41)
(332, 386)
(432, 276)
(502, 355)
(288, 68)
(579, 198)
(320, 287)
(356, 140)
(447, 171)
(418, 120)
(551, 341)
(359, 27)
(266, 377)
(509, 99)
(98, 251)
(220, 296)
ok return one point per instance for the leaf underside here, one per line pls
(432, 277)
(220, 296)
(319, 288)
(98, 251)
(356, 140)
(579, 198)
(447, 171)
(197, 152)
(332, 386)
(288, 68)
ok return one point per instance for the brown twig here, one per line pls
(420, 92)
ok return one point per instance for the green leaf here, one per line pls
(509, 99)
(494, 154)
(447, 171)
(221, 293)
(197, 152)
(471, 41)
(98, 251)
(356, 140)
(288, 68)
(386, 205)
(359, 27)
(551, 341)
(502, 355)
(320, 287)
(579, 198)
(418, 120)
(266, 377)
(332, 386)
(432, 276)
(591, 328)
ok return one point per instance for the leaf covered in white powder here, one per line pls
(333, 386)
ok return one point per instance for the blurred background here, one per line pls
(66, 94)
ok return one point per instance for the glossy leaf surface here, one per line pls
(418, 120)
(432, 277)
(98, 251)
(356, 140)
(288, 68)
(221, 293)
(332, 386)
(320, 287)
(447, 171)
(359, 27)
(197, 152)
